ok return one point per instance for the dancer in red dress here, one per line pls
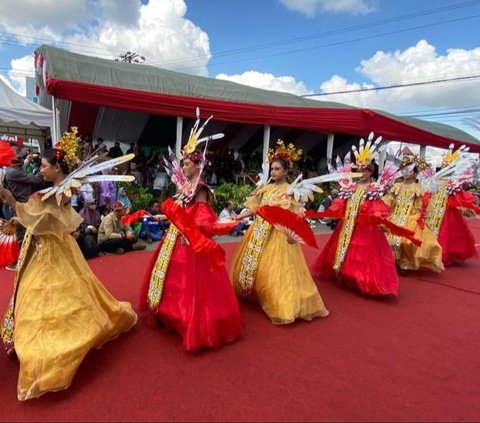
(187, 287)
(358, 253)
(448, 205)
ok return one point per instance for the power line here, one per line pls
(388, 87)
(266, 45)
(338, 43)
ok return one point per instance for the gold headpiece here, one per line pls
(288, 153)
(67, 147)
(414, 159)
(364, 154)
(453, 156)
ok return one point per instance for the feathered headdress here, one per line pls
(172, 163)
(194, 139)
(288, 153)
(453, 155)
(67, 148)
(365, 152)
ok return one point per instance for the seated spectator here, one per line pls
(123, 198)
(228, 213)
(91, 217)
(136, 173)
(115, 237)
(86, 236)
(153, 227)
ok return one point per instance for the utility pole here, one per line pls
(130, 57)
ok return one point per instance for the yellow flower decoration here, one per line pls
(289, 153)
(69, 145)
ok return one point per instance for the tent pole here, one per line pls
(266, 142)
(423, 151)
(56, 130)
(330, 139)
(178, 142)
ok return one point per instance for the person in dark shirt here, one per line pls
(153, 226)
(21, 185)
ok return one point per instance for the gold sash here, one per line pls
(401, 212)
(435, 214)
(353, 204)
(157, 278)
(7, 329)
(260, 233)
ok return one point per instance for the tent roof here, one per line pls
(17, 109)
(147, 89)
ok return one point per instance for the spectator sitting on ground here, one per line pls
(153, 226)
(86, 236)
(91, 217)
(228, 213)
(123, 198)
(115, 237)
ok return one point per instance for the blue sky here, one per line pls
(300, 46)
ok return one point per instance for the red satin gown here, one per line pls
(369, 264)
(198, 300)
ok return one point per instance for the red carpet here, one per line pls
(416, 358)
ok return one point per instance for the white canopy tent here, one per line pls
(19, 112)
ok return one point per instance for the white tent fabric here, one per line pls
(17, 109)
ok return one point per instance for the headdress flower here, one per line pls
(67, 148)
(288, 153)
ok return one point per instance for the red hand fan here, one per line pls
(7, 154)
(197, 241)
(130, 219)
(9, 248)
(288, 223)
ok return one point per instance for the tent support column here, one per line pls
(178, 142)
(423, 151)
(266, 142)
(56, 123)
(330, 140)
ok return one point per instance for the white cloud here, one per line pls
(418, 63)
(44, 13)
(311, 7)
(158, 30)
(21, 68)
(267, 81)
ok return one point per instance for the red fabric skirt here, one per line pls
(455, 237)
(198, 301)
(369, 264)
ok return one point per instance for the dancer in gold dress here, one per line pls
(59, 309)
(270, 268)
(407, 203)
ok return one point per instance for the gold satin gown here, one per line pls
(61, 309)
(282, 285)
(405, 202)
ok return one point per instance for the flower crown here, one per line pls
(288, 153)
(67, 148)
